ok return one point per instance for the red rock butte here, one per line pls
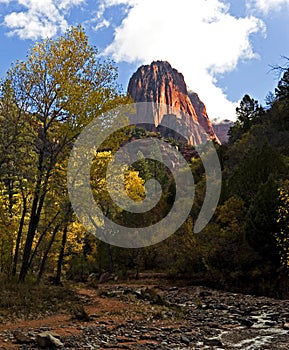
(160, 83)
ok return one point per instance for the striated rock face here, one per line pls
(222, 128)
(202, 115)
(160, 83)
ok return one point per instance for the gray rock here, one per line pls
(185, 340)
(48, 339)
(213, 342)
(246, 322)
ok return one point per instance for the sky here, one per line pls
(224, 49)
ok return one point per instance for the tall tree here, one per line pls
(60, 87)
(248, 114)
(16, 137)
(261, 223)
(282, 90)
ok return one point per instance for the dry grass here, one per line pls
(31, 301)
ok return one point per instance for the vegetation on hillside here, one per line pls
(47, 100)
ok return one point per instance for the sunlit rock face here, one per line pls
(161, 84)
(202, 115)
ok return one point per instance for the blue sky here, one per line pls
(223, 48)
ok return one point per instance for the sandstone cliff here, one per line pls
(222, 128)
(160, 83)
(202, 115)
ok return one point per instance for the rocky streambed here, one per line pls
(158, 317)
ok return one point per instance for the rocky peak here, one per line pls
(160, 83)
(222, 128)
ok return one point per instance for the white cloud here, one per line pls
(39, 19)
(199, 38)
(266, 6)
(103, 24)
(109, 3)
(67, 4)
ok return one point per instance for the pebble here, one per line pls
(185, 339)
(227, 321)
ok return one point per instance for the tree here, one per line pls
(126, 183)
(133, 184)
(248, 114)
(230, 215)
(261, 223)
(278, 112)
(16, 159)
(253, 170)
(282, 90)
(282, 235)
(60, 87)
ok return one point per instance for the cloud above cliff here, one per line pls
(200, 38)
(208, 41)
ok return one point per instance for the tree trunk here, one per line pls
(29, 240)
(110, 262)
(33, 224)
(41, 238)
(61, 257)
(19, 234)
(37, 205)
(63, 244)
(45, 256)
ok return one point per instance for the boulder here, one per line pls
(48, 339)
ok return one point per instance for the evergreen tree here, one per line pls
(248, 114)
(261, 223)
(282, 90)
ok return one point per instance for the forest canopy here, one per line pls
(47, 100)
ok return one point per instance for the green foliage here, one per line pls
(231, 214)
(248, 113)
(47, 100)
(261, 222)
(282, 232)
(282, 90)
(253, 170)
